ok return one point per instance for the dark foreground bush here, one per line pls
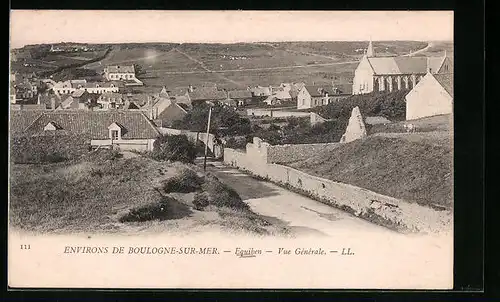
(221, 195)
(174, 148)
(187, 181)
(200, 201)
(103, 155)
(167, 208)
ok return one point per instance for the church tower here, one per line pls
(370, 52)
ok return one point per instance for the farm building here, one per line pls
(395, 73)
(125, 130)
(431, 96)
(204, 94)
(313, 96)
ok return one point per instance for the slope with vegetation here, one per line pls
(416, 167)
(105, 192)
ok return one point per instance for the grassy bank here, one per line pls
(401, 166)
(106, 193)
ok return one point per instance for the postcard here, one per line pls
(231, 149)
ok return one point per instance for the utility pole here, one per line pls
(206, 139)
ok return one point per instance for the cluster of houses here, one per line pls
(110, 116)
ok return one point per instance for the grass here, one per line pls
(103, 192)
(410, 169)
(160, 60)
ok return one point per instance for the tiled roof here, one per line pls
(96, 123)
(446, 80)
(344, 88)
(77, 93)
(111, 95)
(282, 94)
(240, 94)
(316, 91)
(384, 65)
(120, 69)
(21, 119)
(411, 65)
(206, 93)
(404, 65)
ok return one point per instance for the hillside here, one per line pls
(103, 193)
(231, 66)
(416, 167)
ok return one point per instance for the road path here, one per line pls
(301, 214)
(416, 52)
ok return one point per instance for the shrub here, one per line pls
(200, 201)
(187, 181)
(221, 195)
(103, 155)
(174, 148)
(151, 211)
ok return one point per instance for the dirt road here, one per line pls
(302, 214)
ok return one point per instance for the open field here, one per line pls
(245, 64)
(416, 167)
(103, 194)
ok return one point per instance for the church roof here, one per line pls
(445, 80)
(404, 65)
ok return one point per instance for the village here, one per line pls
(277, 132)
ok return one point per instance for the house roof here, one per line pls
(120, 69)
(21, 119)
(404, 65)
(184, 106)
(95, 123)
(445, 80)
(281, 94)
(240, 94)
(344, 88)
(111, 95)
(207, 93)
(78, 93)
(316, 91)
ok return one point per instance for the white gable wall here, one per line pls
(428, 98)
(303, 99)
(363, 78)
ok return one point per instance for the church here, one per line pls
(395, 73)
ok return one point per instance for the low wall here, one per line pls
(290, 153)
(377, 208)
(275, 113)
(126, 145)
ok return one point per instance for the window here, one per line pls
(114, 134)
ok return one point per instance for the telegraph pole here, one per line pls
(206, 139)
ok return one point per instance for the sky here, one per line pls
(53, 26)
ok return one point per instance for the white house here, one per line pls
(395, 73)
(431, 96)
(68, 87)
(124, 73)
(313, 96)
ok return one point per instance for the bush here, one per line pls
(103, 155)
(174, 148)
(200, 201)
(221, 195)
(187, 181)
(152, 211)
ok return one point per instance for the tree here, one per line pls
(174, 148)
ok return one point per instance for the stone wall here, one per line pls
(377, 208)
(275, 113)
(281, 154)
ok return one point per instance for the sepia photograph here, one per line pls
(231, 149)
